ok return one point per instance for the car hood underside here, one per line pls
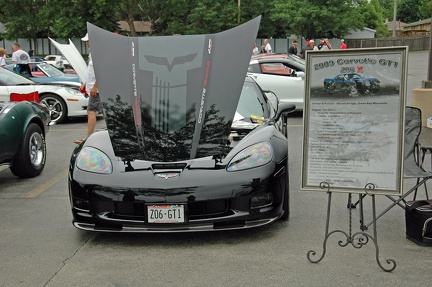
(171, 98)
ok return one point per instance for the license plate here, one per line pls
(168, 213)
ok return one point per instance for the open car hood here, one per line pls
(171, 98)
(74, 57)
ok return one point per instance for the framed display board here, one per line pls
(353, 120)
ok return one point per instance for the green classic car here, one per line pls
(23, 126)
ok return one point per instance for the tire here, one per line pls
(367, 87)
(330, 88)
(56, 106)
(31, 156)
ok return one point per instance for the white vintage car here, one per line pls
(57, 61)
(62, 100)
(282, 74)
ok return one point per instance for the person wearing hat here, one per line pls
(310, 45)
(94, 105)
(343, 46)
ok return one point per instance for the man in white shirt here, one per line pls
(20, 59)
(94, 105)
(268, 48)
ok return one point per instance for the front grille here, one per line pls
(207, 208)
(196, 209)
(129, 209)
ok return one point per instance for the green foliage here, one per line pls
(318, 18)
(22, 19)
(425, 9)
(408, 11)
(387, 9)
(280, 18)
(374, 18)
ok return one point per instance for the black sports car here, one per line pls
(177, 154)
(23, 126)
(353, 83)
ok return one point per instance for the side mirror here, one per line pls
(301, 74)
(273, 99)
(284, 108)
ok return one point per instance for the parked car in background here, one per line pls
(281, 73)
(57, 61)
(47, 73)
(353, 83)
(62, 100)
(24, 126)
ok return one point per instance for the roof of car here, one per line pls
(269, 55)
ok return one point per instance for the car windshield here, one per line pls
(49, 70)
(9, 78)
(249, 102)
(297, 59)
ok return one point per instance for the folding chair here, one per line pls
(412, 162)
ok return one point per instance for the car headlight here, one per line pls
(94, 160)
(73, 91)
(256, 155)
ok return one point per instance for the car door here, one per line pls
(277, 77)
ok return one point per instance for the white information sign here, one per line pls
(354, 120)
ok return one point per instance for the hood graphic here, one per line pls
(171, 98)
(74, 57)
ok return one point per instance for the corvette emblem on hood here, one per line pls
(175, 98)
(167, 175)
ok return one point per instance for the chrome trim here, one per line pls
(167, 175)
(203, 227)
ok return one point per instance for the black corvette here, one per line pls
(177, 155)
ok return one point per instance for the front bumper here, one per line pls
(213, 199)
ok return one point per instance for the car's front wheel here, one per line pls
(56, 105)
(31, 156)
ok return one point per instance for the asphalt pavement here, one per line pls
(40, 247)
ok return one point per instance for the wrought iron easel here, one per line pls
(357, 239)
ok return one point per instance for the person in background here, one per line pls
(343, 46)
(20, 59)
(293, 49)
(310, 44)
(255, 49)
(94, 105)
(263, 50)
(3, 53)
(321, 44)
(268, 47)
(326, 45)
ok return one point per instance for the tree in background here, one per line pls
(280, 18)
(387, 9)
(138, 10)
(71, 21)
(374, 19)
(22, 20)
(425, 9)
(318, 18)
(408, 11)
